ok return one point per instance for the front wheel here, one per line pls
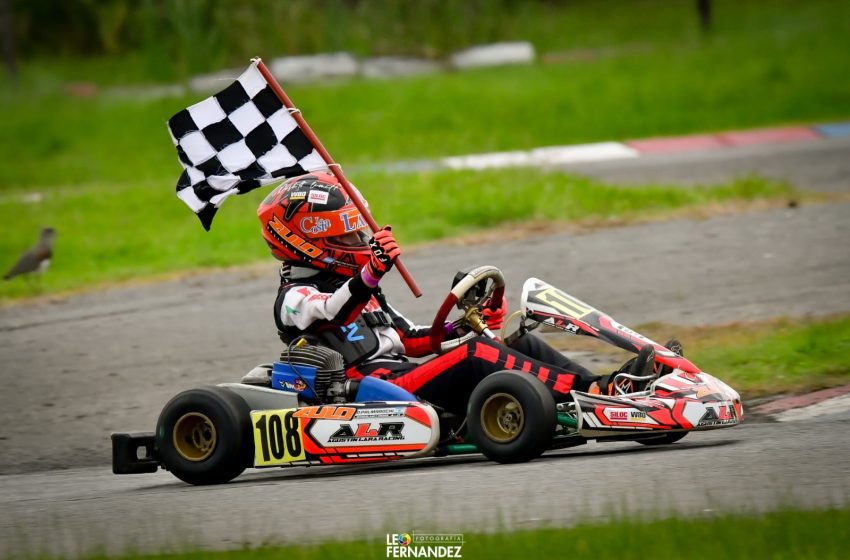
(204, 435)
(511, 417)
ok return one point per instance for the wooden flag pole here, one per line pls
(334, 167)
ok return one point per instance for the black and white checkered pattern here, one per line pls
(235, 141)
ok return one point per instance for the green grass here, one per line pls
(766, 63)
(118, 232)
(757, 359)
(785, 356)
(789, 534)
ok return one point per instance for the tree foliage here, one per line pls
(203, 34)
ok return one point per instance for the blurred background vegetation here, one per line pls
(167, 40)
(99, 166)
(170, 39)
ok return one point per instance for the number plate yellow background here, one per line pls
(259, 444)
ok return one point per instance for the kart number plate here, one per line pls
(278, 437)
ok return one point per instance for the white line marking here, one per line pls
(829, 406)
(552, 155)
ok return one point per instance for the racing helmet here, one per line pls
(310, 220)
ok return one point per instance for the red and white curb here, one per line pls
(805, 407)
(610, 151)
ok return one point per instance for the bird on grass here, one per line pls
(36, 259)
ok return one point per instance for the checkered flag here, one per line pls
(239, 139)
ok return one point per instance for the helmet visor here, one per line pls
(355, 239)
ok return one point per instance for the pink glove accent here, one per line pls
(368, 279)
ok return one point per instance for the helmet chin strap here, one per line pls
(295, 271)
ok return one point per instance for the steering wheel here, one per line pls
(469, 293)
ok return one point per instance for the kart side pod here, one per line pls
(345, 433)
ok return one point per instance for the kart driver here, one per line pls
(330, 291)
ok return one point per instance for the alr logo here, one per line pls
(385, 430)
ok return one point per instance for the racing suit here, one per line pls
(376, 340)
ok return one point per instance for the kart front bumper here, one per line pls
(126, 458)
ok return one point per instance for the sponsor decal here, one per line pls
(299, 188)
(637, 416)
(723, 415)
(290, 239)
(318, 197)
(352, 221)
(298, 385)
(634, 335)
(389, 432)
(570, 327)
(315, 225)
(350, 332)
(298, 195)
(373, 412)
(326, 412)
(626, 415)
(424, 545)
(340, 260)
(621, 415)
(367, 431)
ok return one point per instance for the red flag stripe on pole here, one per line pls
(334, 167)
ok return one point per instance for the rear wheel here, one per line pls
(204, 435)
(511, 417)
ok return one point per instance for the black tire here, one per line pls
(492, 417)
(204, 436)
(665, 439)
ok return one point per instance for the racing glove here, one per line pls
(495, 317)
(384, 253)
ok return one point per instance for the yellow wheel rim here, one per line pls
(194, 436)
(502, 417)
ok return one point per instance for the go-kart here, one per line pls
(301, 410)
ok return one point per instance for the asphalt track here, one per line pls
(77, 369)
(820, 165)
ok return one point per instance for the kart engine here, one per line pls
(330, 370)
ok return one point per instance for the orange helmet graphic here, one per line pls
(311, 220)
